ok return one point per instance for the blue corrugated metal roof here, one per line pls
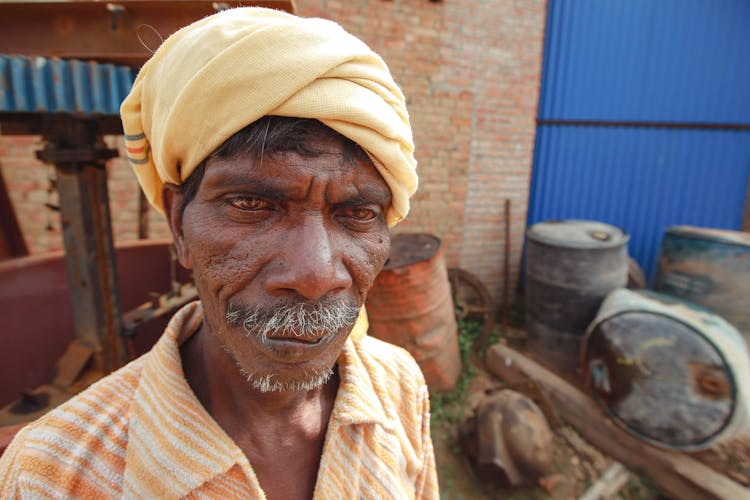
(51, 85)
(646, 60)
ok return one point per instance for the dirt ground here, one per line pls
(575, 467)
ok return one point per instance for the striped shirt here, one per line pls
(142, 433)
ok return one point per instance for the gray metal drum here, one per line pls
(710, 267)
(669, 371)
(571, 265)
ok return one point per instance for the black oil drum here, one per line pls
(571, 265)
(668, 371)
(710, 267)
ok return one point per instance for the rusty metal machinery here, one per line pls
(49, 87)
(508, 439)
(76, 149)
(72, 104)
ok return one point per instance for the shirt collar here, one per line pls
(174, 445)
(357, 401)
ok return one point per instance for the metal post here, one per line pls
(143, 209)
(76, 149)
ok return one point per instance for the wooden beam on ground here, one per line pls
(676, 474)
(607, 486)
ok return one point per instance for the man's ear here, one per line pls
(171, 196)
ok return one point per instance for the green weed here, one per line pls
(446, 407)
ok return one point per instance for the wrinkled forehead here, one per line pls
(288, 175)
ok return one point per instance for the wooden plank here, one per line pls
(607, 486)
(676, 474)
(23, 123)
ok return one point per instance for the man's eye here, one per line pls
(361, 214)
(249, 203)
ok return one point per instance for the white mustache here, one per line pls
(300, 319)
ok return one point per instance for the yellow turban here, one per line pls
(217, 75)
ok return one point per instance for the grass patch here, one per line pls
(446, 408)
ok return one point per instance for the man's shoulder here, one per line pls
(390, 359)
(395, 377)
(400, 389)
(81, 442)
(104, 400)
(100, 410)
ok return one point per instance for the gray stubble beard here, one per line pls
(299, 319)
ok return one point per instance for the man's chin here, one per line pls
(267, 383)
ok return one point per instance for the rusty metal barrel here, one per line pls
(710, 267)
(671, 372)
(410, 305)
(571, 265)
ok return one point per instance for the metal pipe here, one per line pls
(646, 124)
(506, 266)
(143, 209)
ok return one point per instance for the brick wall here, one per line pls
(28, 185)
(470, 70)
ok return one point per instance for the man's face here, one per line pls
(300, 234)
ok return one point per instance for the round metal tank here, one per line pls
(571, 265)
(410, 305)
(710, 267)
(669, 371)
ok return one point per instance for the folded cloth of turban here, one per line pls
(217, 75)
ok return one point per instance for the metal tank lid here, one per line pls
(710, 234)
(410, 248)
(577, 234)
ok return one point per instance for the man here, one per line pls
(280, 151)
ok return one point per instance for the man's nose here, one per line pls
(309, 262)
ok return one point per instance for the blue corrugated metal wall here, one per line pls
(667, 61)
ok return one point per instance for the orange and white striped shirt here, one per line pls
(142, 433)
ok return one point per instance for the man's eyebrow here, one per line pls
(254, 186)
(377, 196)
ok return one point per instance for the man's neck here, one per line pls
(279, 432)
